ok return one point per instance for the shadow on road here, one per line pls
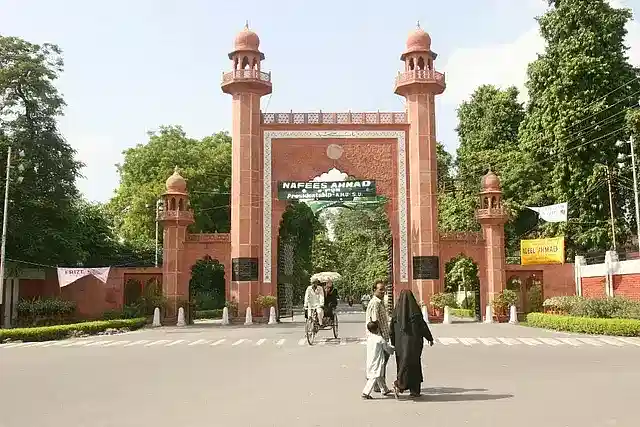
(456, 394)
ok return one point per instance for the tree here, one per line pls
(206, 164)
(579, 89)
(43, 211)
(445, 167)
(488, 131)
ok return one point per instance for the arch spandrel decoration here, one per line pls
(398, 135)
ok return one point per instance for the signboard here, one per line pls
(325, 190)
(244, 269)
(426, 268)
(542, 251)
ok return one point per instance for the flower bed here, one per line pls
(461, 312)
(48, 333)
(585, 325)
(208, 314)
(602, 308)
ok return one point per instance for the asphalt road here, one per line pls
(476, 375)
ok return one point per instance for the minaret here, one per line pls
(246, 84)
(175, 217)
(419, 83)
(492, 216)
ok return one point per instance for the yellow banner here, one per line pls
(542, 251)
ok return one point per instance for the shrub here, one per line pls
(208, 314)
(504, 300)
(585, 325)
(233, 308)
(442, 300)
(48, 333)
(131, 311)
(462, 312)
(534, 298)
(469, 303)
(266, 301)
(45, 311)
(602, 308)
(208, 300)
(562, 304)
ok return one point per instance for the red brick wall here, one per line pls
(626, 285)
(557, 280)
(593, 287)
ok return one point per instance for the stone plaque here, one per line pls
(244, 269)
(426, 268)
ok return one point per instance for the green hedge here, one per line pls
(585, 325)
(461, 312)
(48, 333)
(209, 314)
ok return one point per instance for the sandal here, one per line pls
(367, 397)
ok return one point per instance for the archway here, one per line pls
(463, 280)
(207, 285)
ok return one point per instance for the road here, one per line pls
(476, 375)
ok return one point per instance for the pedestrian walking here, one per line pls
(377, 312)
(408, 332)
(378, 350)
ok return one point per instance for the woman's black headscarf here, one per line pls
(406, 308)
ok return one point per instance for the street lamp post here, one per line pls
(635, 186)
(3, 242)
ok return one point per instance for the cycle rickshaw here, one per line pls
(312, 325)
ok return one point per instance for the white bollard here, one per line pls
(447, 315)
(488, 314)
(156, 317)
(272, 316)
(248, 318)
(181, 321)
(425, 314)
(225, 316)
(513, 315)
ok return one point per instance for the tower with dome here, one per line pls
(397, 150)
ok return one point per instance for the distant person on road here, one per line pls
(378, 351)
(330, 299)
(376, 312)
(314, 300)
(408, 332)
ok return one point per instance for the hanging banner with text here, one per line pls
(325, 190)
(552, 213)
(67, 276)
(542, 251)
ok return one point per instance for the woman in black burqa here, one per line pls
(408, 331)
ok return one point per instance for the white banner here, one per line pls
(552, 213)
(67, 276)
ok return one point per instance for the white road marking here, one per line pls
(240, 341)
(260, 341)
(77, 343)
(343, 341)
(363, 341)
(611, 341)
(448, 341)
(632, 341)
(468, 341)
(509, 341)
(551, 341)
(198, 342)
(157, 342)
(302, 341)
(591, 341)
(218, 342)
(136, 343)
(174, 343)
(117, 343)
(97, 344)
(17, 344)
(488, 341)
(530, 341)
(280, 342)
(571, 341)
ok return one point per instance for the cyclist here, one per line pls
(330, 300)
(314, 300)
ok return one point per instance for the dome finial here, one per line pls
(246, 24)
(176, 169)
(418, 25)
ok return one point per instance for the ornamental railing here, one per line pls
(246, 75)
(348, 118)
(209, 238)
(420, 76)
(175, 215)
(462, 236)
(492, 213)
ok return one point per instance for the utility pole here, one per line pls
(635, 190)
(4, 224)
(613, 227)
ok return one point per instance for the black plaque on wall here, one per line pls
(244, 269)
(426, 268)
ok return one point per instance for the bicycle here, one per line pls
(312, 326)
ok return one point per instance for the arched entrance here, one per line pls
(463, 280)
(207, 284)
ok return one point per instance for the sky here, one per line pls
(132, 66)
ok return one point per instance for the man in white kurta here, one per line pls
(314, 300)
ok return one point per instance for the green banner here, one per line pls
(326, 190)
